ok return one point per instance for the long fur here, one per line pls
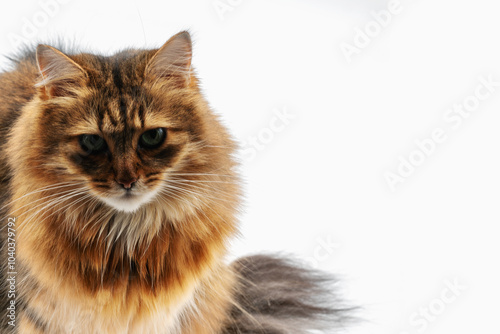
(85, 266)
(279, 295)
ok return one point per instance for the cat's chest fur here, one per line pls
(105, 313)
(110, 286)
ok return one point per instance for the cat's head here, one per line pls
(127, 129)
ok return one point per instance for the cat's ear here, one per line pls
(60, 74)
(172, 62)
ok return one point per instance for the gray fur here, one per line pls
(279, 296)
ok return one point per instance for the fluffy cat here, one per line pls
(118, 198)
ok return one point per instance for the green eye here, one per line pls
(153, 138)
(92, 143)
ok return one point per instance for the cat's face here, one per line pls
(126, 142)
(129, 128)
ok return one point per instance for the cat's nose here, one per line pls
(127, 183)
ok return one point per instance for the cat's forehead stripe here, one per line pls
(124, 109)
(117, 77)
(120, 115)
(119, 85)
(111, 113)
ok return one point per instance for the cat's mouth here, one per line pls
(129, 201)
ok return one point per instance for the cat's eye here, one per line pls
(93, 144)
(152, 138)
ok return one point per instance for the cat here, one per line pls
(119, 195)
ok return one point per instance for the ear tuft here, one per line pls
(172, 61)
(59, 73)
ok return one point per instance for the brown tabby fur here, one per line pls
(84, 267)
(71, 267)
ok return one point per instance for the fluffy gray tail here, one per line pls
(279, 296)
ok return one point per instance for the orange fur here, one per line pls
(86, 267)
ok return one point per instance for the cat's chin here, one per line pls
(128, 203)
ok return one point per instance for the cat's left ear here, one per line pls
(172, 62)
(60, 74)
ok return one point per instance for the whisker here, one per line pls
(58, 195)
(199, 174)
(52, 202)
(48, 187)
(198, 208)
(40, 199)
(206, 188)
(205, 195)
(203, 181)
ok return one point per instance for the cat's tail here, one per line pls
(278, 296)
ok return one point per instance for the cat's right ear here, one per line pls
(60, 74)
(171, 64)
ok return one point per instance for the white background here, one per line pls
(320, 178)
